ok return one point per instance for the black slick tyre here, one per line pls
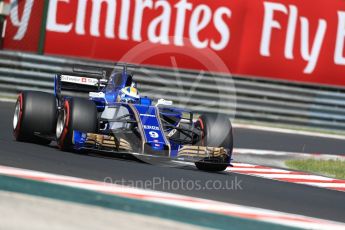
(216, 132)
(35, 114)
(77, 114)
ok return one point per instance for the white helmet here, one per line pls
(129, 95)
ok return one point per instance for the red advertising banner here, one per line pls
(23, 25)
(158, 30)
(295, 40)
(282, 39)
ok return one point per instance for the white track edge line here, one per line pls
(289, 131)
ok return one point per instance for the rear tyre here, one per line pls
(35, 113)
(216, 132)
(77, 114)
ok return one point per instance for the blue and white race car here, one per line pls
(116, 119)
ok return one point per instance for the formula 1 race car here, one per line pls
(116, 119)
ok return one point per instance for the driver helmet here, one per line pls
(129, 95)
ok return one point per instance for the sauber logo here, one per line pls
(23, 22)
(151, 127)
(79, 80)
(131, 22)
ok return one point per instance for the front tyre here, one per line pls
(77, 114)
(216, 132)
(35, 113)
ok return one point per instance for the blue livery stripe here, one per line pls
(149, 119)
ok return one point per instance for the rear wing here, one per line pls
(86, 78)
(77, 84)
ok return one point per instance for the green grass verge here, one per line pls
(332, 168)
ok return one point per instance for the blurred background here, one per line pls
(283, 61)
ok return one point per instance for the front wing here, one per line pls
(186, 153)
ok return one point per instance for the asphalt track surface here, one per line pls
(254, 139)
(257, 192)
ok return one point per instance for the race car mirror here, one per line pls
(164, 102)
